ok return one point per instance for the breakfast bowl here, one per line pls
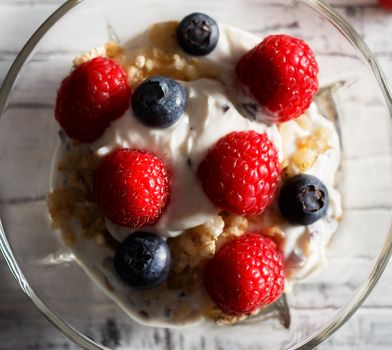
(352, 93)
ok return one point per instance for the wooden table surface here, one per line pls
(370, 328)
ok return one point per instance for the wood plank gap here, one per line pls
(26, 3)
(22, 200)
(16, 105)
(380, 309)
(39, 57)
(6, 55)
(365, 208)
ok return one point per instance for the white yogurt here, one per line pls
(304, 247)
(208, 116)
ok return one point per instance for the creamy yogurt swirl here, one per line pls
(209, 115)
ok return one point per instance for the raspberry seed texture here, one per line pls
(91, 97)
(131, 187)
(281, 74)
(241, 173)
(245, 274)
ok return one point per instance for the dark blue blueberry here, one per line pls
(198, 34)
(143, 260)
(303, 199)
(159, 101)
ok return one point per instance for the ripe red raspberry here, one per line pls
(131, 187)
(91, 97)
(386, 4)
(245, 274)
(240, 174)
(281, 74)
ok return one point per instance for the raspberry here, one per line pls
(240, 174)
(281, 74)
(91, 97)
(386, 4)
(245, 274)
(131, 187)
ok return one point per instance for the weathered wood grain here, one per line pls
(22, 177)
(12, 41)
(352, 3)
(22, 327)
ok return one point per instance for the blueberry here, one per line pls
(159, 101)
(143, 260)
(303, 199)
(198, 34)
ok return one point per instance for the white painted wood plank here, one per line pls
(342, 3)
(40, 80)
(346, 3)
(365, 182)
(5, 65)
(367, 330)
(13, 22)
(22, 176)
(22, 326)
(361, 233)
(90, 22)
(32, 2)
(87, 24)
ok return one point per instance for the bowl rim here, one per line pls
(345, 312)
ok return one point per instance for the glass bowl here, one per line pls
(61, 290)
